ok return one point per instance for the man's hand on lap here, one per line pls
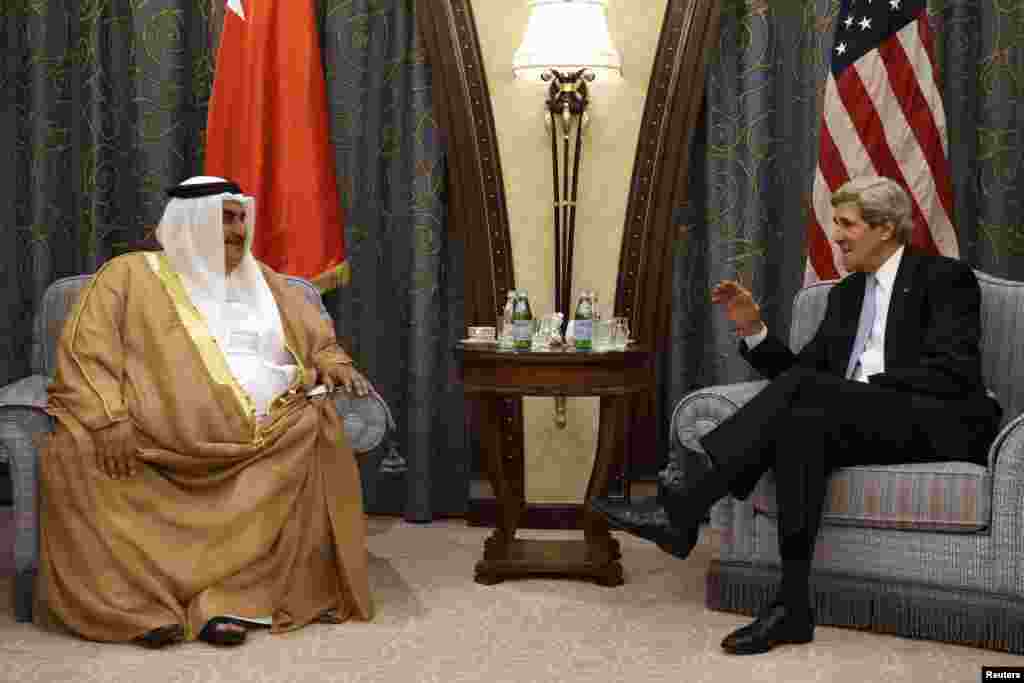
(115, 454)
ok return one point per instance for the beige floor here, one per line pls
(436, 624)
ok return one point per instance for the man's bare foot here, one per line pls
(223, 631)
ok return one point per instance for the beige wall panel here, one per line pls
(558, 461)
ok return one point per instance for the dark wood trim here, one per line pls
(483, 509)
(476, 186)
(658, 190)
(569, 516)
(477, 211)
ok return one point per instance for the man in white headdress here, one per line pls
(195, 482)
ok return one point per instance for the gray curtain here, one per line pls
(106, 104)
(756, 150)
(403, 311)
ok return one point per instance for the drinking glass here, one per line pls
(619, 332)
(542, 327)
(602, 335)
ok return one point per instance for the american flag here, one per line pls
(883, 115)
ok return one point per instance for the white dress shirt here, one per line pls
(873, 359)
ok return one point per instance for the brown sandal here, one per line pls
(215, 633)
(161, 637)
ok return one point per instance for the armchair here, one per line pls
(24, 424)
(932, 551)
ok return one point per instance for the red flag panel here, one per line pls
(268, 130)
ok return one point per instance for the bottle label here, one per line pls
(521, 332)
(583, 330)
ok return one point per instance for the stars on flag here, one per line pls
(864, 22)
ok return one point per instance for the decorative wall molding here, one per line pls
(658, 187)
(477, 210)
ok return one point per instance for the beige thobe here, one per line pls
(227, 514)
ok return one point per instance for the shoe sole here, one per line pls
(665, 544)
(623, 526)
(770, 646)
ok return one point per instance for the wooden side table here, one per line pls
(491, 375)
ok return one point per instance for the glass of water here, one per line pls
(619, 332)
(602, 335)
(542, 330)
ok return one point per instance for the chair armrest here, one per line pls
(22, 430)
(29, 392)
(702, 410)
(366, 418)
(1006, 463)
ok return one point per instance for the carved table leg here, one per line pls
(602, 548)
(505, 473)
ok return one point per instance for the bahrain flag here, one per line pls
(268, 131)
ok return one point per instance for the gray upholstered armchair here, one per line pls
(930, 551)
(23, 424)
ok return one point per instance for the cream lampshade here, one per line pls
(567, 35)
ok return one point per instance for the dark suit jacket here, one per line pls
(932, 341)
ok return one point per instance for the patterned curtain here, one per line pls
(403, 311)
(756, 150)
(107, 103)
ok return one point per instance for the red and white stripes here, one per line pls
(883, 115)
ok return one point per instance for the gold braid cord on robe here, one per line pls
(223, 516)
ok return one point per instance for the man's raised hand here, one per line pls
(739, 306)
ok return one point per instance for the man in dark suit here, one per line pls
(893, 375)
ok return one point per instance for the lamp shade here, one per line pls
(567, 35)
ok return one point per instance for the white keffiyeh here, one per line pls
(239, 307)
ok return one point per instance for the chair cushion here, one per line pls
(941, 496)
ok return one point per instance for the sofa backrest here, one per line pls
(1002, 333)
(59, 300)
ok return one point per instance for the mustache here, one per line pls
(235, 239)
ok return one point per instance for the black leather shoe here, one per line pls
(224, 631)
(162, 637)
(776, 625)
(647, 519)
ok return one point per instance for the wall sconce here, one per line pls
(567, 45)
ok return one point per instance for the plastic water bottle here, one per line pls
(505, 335)
(522, 321)
(583, 326)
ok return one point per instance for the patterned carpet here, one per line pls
(435, 624)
